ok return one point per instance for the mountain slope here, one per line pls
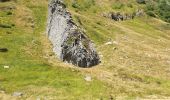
(135, 64)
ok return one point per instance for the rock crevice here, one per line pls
(69, 42)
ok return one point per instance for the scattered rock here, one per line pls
(117, 16)
(139, 13)
(3, 50)
(115, 42)
(1, 91)
(6, 67)
(17, 94)
(88, 78)
(108, 43)
(101, 56)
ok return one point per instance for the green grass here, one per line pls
(135, 66)
(29, 70)
(71, 84)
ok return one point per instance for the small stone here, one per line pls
(72, 70)
(101, 56)
(1, 91)
(6, 67)
(115, 42)
(17, 94)
(88, 78)
(108, 43)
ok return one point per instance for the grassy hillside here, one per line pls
(136, 65)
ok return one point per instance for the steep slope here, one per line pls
(135, 54)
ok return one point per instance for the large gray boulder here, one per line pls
(70, 43)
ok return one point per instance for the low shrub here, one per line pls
(159, 8)
(118, 5)
(151, 13)
(83, 5)
(5, 26)
(141, 1)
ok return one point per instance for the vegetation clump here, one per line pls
(159, 8)
(5, 26)
(83, 6)
(141, 1)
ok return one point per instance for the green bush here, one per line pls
(159, 8)
(141, 1)
(164, 10)
(89, 3)
(5, 26)
(151, 6)
(118, 5)
(83, 5)
(129, 5)
(75, 5)
(151, 13)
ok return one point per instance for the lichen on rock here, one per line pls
(69, 42)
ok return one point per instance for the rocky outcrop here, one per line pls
(120, 17)
(70, 43)
(117, 16)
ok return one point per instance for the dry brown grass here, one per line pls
(24, 18)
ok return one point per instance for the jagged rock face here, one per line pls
(70, 43)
